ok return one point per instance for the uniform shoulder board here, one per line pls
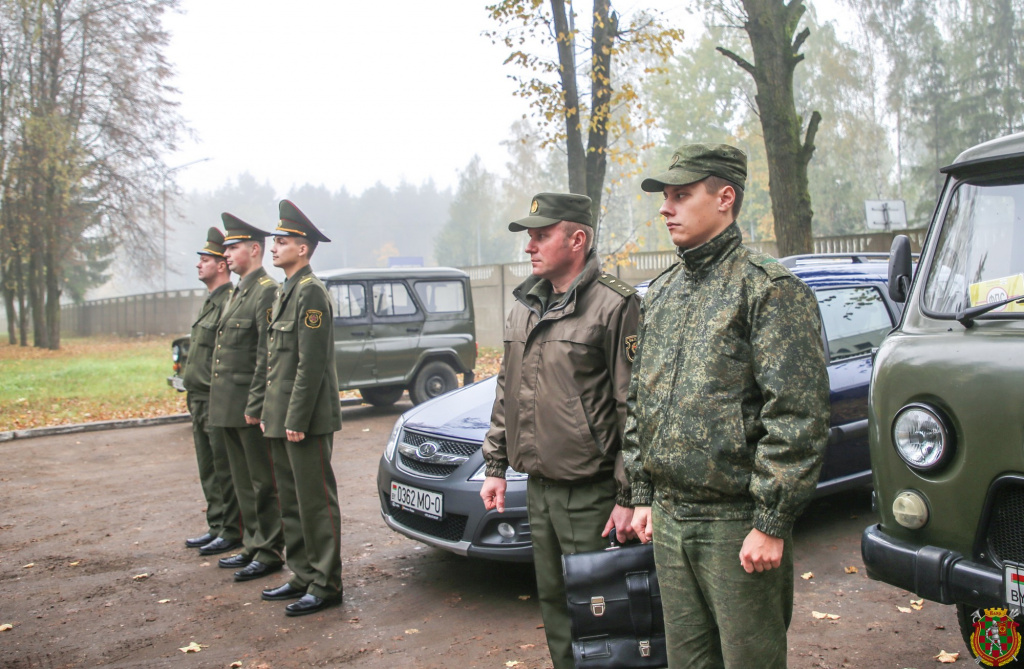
(772, 267)
(618, 285)
(306, 280)
(266, 281)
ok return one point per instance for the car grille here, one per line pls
(449, 528)
(1006, 524)
(433, 470)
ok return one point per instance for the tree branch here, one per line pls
(812, 131)
(739, 60)
(799, 40)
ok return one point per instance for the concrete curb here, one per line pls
(113, 425)
(93, 427)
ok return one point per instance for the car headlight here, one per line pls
(175, 353)
(922, 437)
(510, 475)
(389, 450)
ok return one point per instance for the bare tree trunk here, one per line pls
(771, 25)
(566, 43)
(606, 28)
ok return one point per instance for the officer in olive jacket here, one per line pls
(222, 515)
(560, 404)
(300, 413)
(243, 324)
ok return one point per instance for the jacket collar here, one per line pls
(528, 292)
(246, 281)
(702, 259)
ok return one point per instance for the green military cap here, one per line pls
(295, 224)
(236, 230)
(214, 244)
(550, 208)
(693, 162)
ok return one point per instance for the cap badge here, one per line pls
(534, 207)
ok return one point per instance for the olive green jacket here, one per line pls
(301, 390)
(729, 402)
(199, 364)
(560, 404)
(243, 323)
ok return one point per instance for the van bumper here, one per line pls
(937, 574)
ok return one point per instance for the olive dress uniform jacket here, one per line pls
(199, 365)
(301, 391)
(560, 405)
(243, 323)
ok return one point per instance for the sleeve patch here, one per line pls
(630, 343)
(314, 318)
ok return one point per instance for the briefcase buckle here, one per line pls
(597, 606)
(645, 649)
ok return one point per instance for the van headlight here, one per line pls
(396, 432)
(175, 353)
(510, 474)
(922, 437)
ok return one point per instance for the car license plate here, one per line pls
(423, 502)
(1013, 585)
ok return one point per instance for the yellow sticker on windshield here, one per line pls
(996, 290)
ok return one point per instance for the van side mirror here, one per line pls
(900, 268)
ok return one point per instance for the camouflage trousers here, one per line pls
(716, 614)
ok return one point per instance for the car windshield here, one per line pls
(979, 257)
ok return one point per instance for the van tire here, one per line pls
(382, 396)
(963, 616)
(436, 378)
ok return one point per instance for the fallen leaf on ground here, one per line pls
(528, 646)
(162, 601)
(75, 563)
(192, 647)
(6, 626)
(235, 665)
(29, 565)
(851, 570)
(513, 663)
(140, 577)
(947, 658)
(366, 429)
(917, 604)
(807, 575)
(903, 609)
(822, 616)
(412, 631)
(524, 597)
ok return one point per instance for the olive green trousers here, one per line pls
(252, 474)
(564, 519)
(308, 493)
(222, 512)
(716, 614)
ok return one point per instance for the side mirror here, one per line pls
(900, 268)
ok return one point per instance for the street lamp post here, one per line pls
(163, 207)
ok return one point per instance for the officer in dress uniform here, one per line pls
(240, 333)
(222, 515)
(300, 414)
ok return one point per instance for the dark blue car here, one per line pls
(431, 471)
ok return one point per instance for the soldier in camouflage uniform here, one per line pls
(222, 513)
(560, 405)
(728, 419)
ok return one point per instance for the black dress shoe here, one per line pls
(285, 591)
(256, 569)
(310, 604)
(196, 542)
(219, 545)
(234, 562)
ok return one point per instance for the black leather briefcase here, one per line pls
(615, 607)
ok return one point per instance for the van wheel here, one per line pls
(436, 378)
(382, 396)
(965, 616)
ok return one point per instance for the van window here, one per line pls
(856, 320)
(440, 297)
(350, 299)
(979, 257)
(392, 299)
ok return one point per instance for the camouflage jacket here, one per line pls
(199, 365)
(729, 400)
(560, 405)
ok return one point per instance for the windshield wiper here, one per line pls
(966, 317)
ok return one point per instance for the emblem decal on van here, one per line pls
(995, 640)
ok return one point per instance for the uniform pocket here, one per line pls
(282, 335)
(205, 334)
